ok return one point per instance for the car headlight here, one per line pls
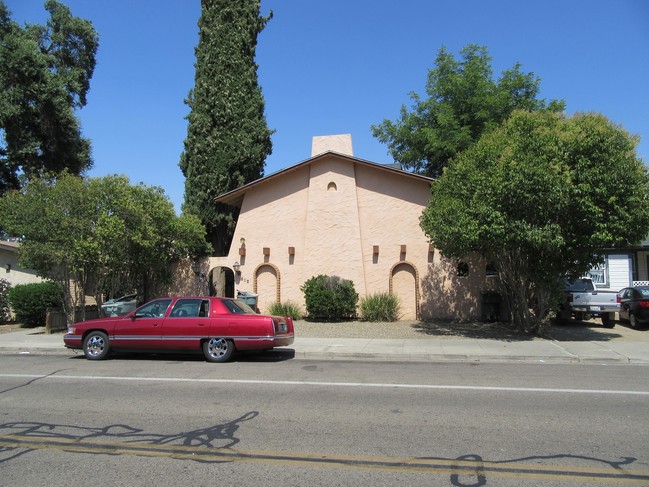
(71, 330)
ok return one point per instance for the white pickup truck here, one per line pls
(582, 300)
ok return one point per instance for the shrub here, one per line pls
(30, 301)
(330, 298)
(288, 308)
(4, 300)
(380, 307)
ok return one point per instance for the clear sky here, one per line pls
(340, 66)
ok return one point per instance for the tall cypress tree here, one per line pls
(228, 139)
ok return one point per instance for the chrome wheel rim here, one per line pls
(217, 347)
(96, 346)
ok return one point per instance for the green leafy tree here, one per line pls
(45, 75)
(100, 235)
(541, 197)
(139, 236)
(227, 136)
(463, 102)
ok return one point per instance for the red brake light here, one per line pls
(619, 298)
(644, 303)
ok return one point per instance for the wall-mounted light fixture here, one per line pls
(237, 268)
(242, 248)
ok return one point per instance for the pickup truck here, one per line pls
(582, 300)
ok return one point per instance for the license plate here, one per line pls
(283, 328)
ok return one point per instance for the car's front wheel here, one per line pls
(96, 345)
(218, 349)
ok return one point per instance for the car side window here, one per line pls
(154, 309)
(238, 307)
(187, 308)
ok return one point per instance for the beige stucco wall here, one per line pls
(335, 212)
(15, 274)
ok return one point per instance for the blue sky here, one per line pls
(340, 66)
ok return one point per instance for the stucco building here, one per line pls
(10, 268)
(335, 214)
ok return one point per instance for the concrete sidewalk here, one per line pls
(36, 341)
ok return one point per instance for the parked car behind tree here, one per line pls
(634, 305)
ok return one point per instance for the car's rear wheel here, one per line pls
(218, 349)
(96, 345)
(633, 321)
(607, 320)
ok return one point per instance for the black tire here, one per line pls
(96, 345)
(607, 321)
(218, 349)
(633, 322)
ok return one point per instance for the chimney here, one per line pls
(341, 144)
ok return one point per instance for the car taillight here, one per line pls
(280, 326)
(644, 303)
(619, 298)
(569, 297)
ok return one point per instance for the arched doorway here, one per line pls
(221, 280)
(266, 285)
(403, 284)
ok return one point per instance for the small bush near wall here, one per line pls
(30, 302)
(4, 300)
(380, 307)
(288, 308)
(330, 298)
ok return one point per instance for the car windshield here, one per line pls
(237, 306)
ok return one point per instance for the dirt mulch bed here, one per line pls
(11, 327)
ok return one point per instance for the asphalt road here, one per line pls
(145, 420)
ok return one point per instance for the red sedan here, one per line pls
(216, 326)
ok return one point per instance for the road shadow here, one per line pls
(220, 436)
(268, 356)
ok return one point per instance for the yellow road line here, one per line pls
(422, 465)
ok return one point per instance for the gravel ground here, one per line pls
(575, 331)
(406, 330)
